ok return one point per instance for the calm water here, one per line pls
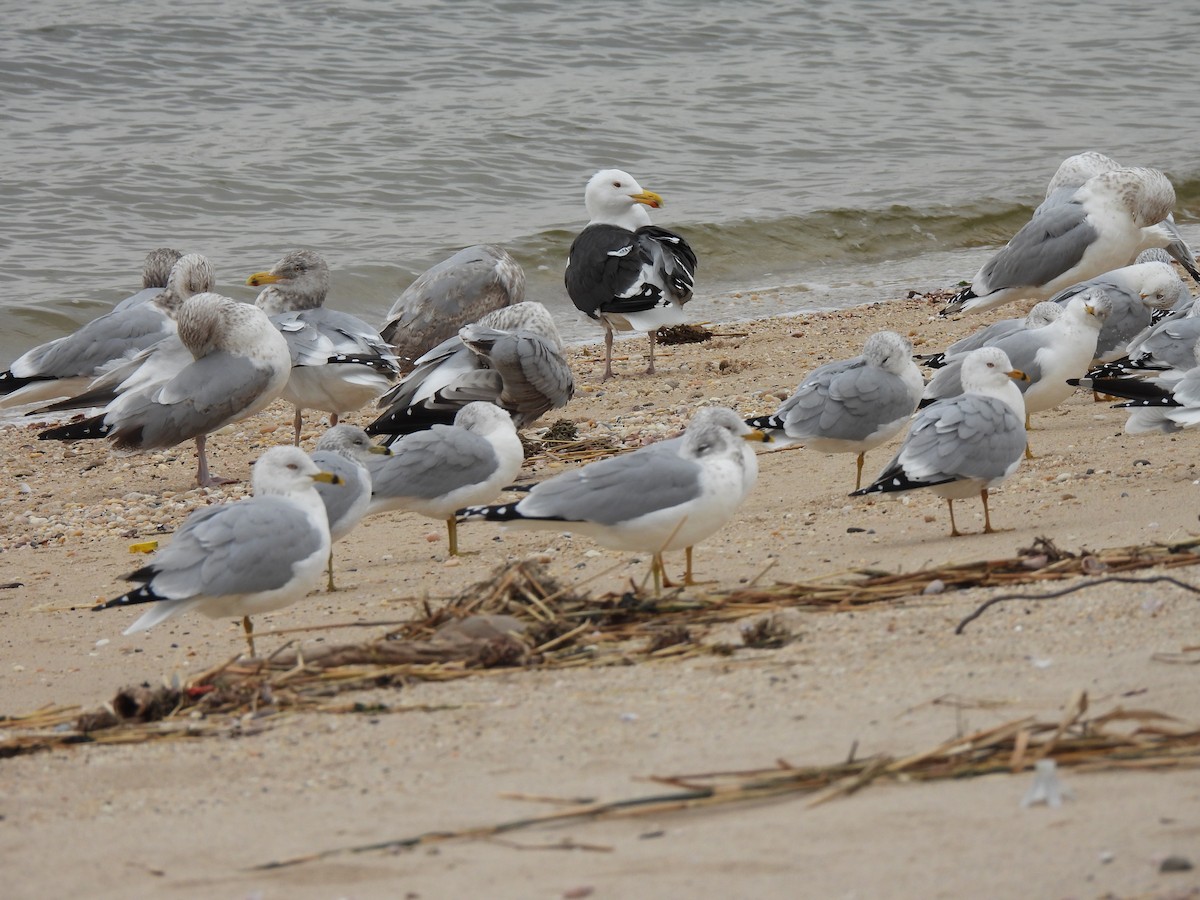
(853, 148)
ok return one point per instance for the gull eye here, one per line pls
(616, 184)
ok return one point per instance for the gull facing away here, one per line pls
(966, 444)
(243, 558)
(624, 272)
(339, 362)
(853, 405)
(658, 498)
(446, 467)
(65, 365)
(344, 451)
(512, 357)
(456, 291)
(232, 365)
(1102, 225)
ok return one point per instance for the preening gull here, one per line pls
(339, 362)
(447, 467)
(853, 405)
(243, 558)
(64, 366)
(966, 444)
(512, 357)
(1043, 313)
(624, 272)
(451, 294)
(235, 364)
(1102, 225)
(1048, 356)
(658, 498)
(344, 450)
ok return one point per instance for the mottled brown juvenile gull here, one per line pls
(447, 467)
(65, 365)
(624, 272)
(244, 558)
(659, 498)
(966, 444)
(852, 405)
(339, 362)
(512, 357)
(236, 364)
(451, 294)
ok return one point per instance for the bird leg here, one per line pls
(688, 577)
(656, 568)
(205, 478)
(452, 533)
(954, 532)
(329, 588)
(297, 424)
(608, 342)
(248, 628)
(653, 337)
(987, 520)
(858, 474)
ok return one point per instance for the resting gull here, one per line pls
(1102, 225)
(339, 362)
(966, 444)
(1043, 313)
(456, 291)
(624, 272)
(243, 558)
(65, 365)
(1166, 401)
(438, 471)
(853, 405)
(235, 364)
(344, 450)
(513, 357)
(657, 498)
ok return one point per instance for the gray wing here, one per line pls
(429, 464)
(145, 295)
(1048, 245)
(617, 489)
(345, 503)
(850, 406)
(1128, 316)
(238, 548)
(969, 436)
(98, 344)
(534, 376)
(1170, 344)
(315, 336)
(986, 335)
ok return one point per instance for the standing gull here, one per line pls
(447, 467)
(344, 450)
(474, 281)
(236, 363)
(624, 272)
(853, 405)
(64, 366)
(966, 444)
(243, 558)
(654, 499)
(513, 357)
(339, 363)
(1102, 225)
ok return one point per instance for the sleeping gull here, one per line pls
(965, 444)
(624, 272)
(1167, 401)
(657, 498)
(243, 558)
(447, 467)
(1048, 355)
(1043, 313)
(456, 291)
(513, 357)
(64, 366)
(1102, 225)
(344, 451)
(234, 363)
(339, 362)
(853, 405)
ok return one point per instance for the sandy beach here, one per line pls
(193, 817)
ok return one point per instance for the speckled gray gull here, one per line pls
(624, 272)
(1103, 225)
(1166, 401)
(1048, 355)
(1043, 313)
(453, 293)
(64, 366)
(655, 499)
(440, 470)
(513, 357)
(339, 362)
(233, 365)
(852, 405)
(964, 445)
(243, 558)
(344, 450)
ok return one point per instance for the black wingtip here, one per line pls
(957, 302)
(83, 430)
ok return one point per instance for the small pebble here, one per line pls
(1176, 863)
